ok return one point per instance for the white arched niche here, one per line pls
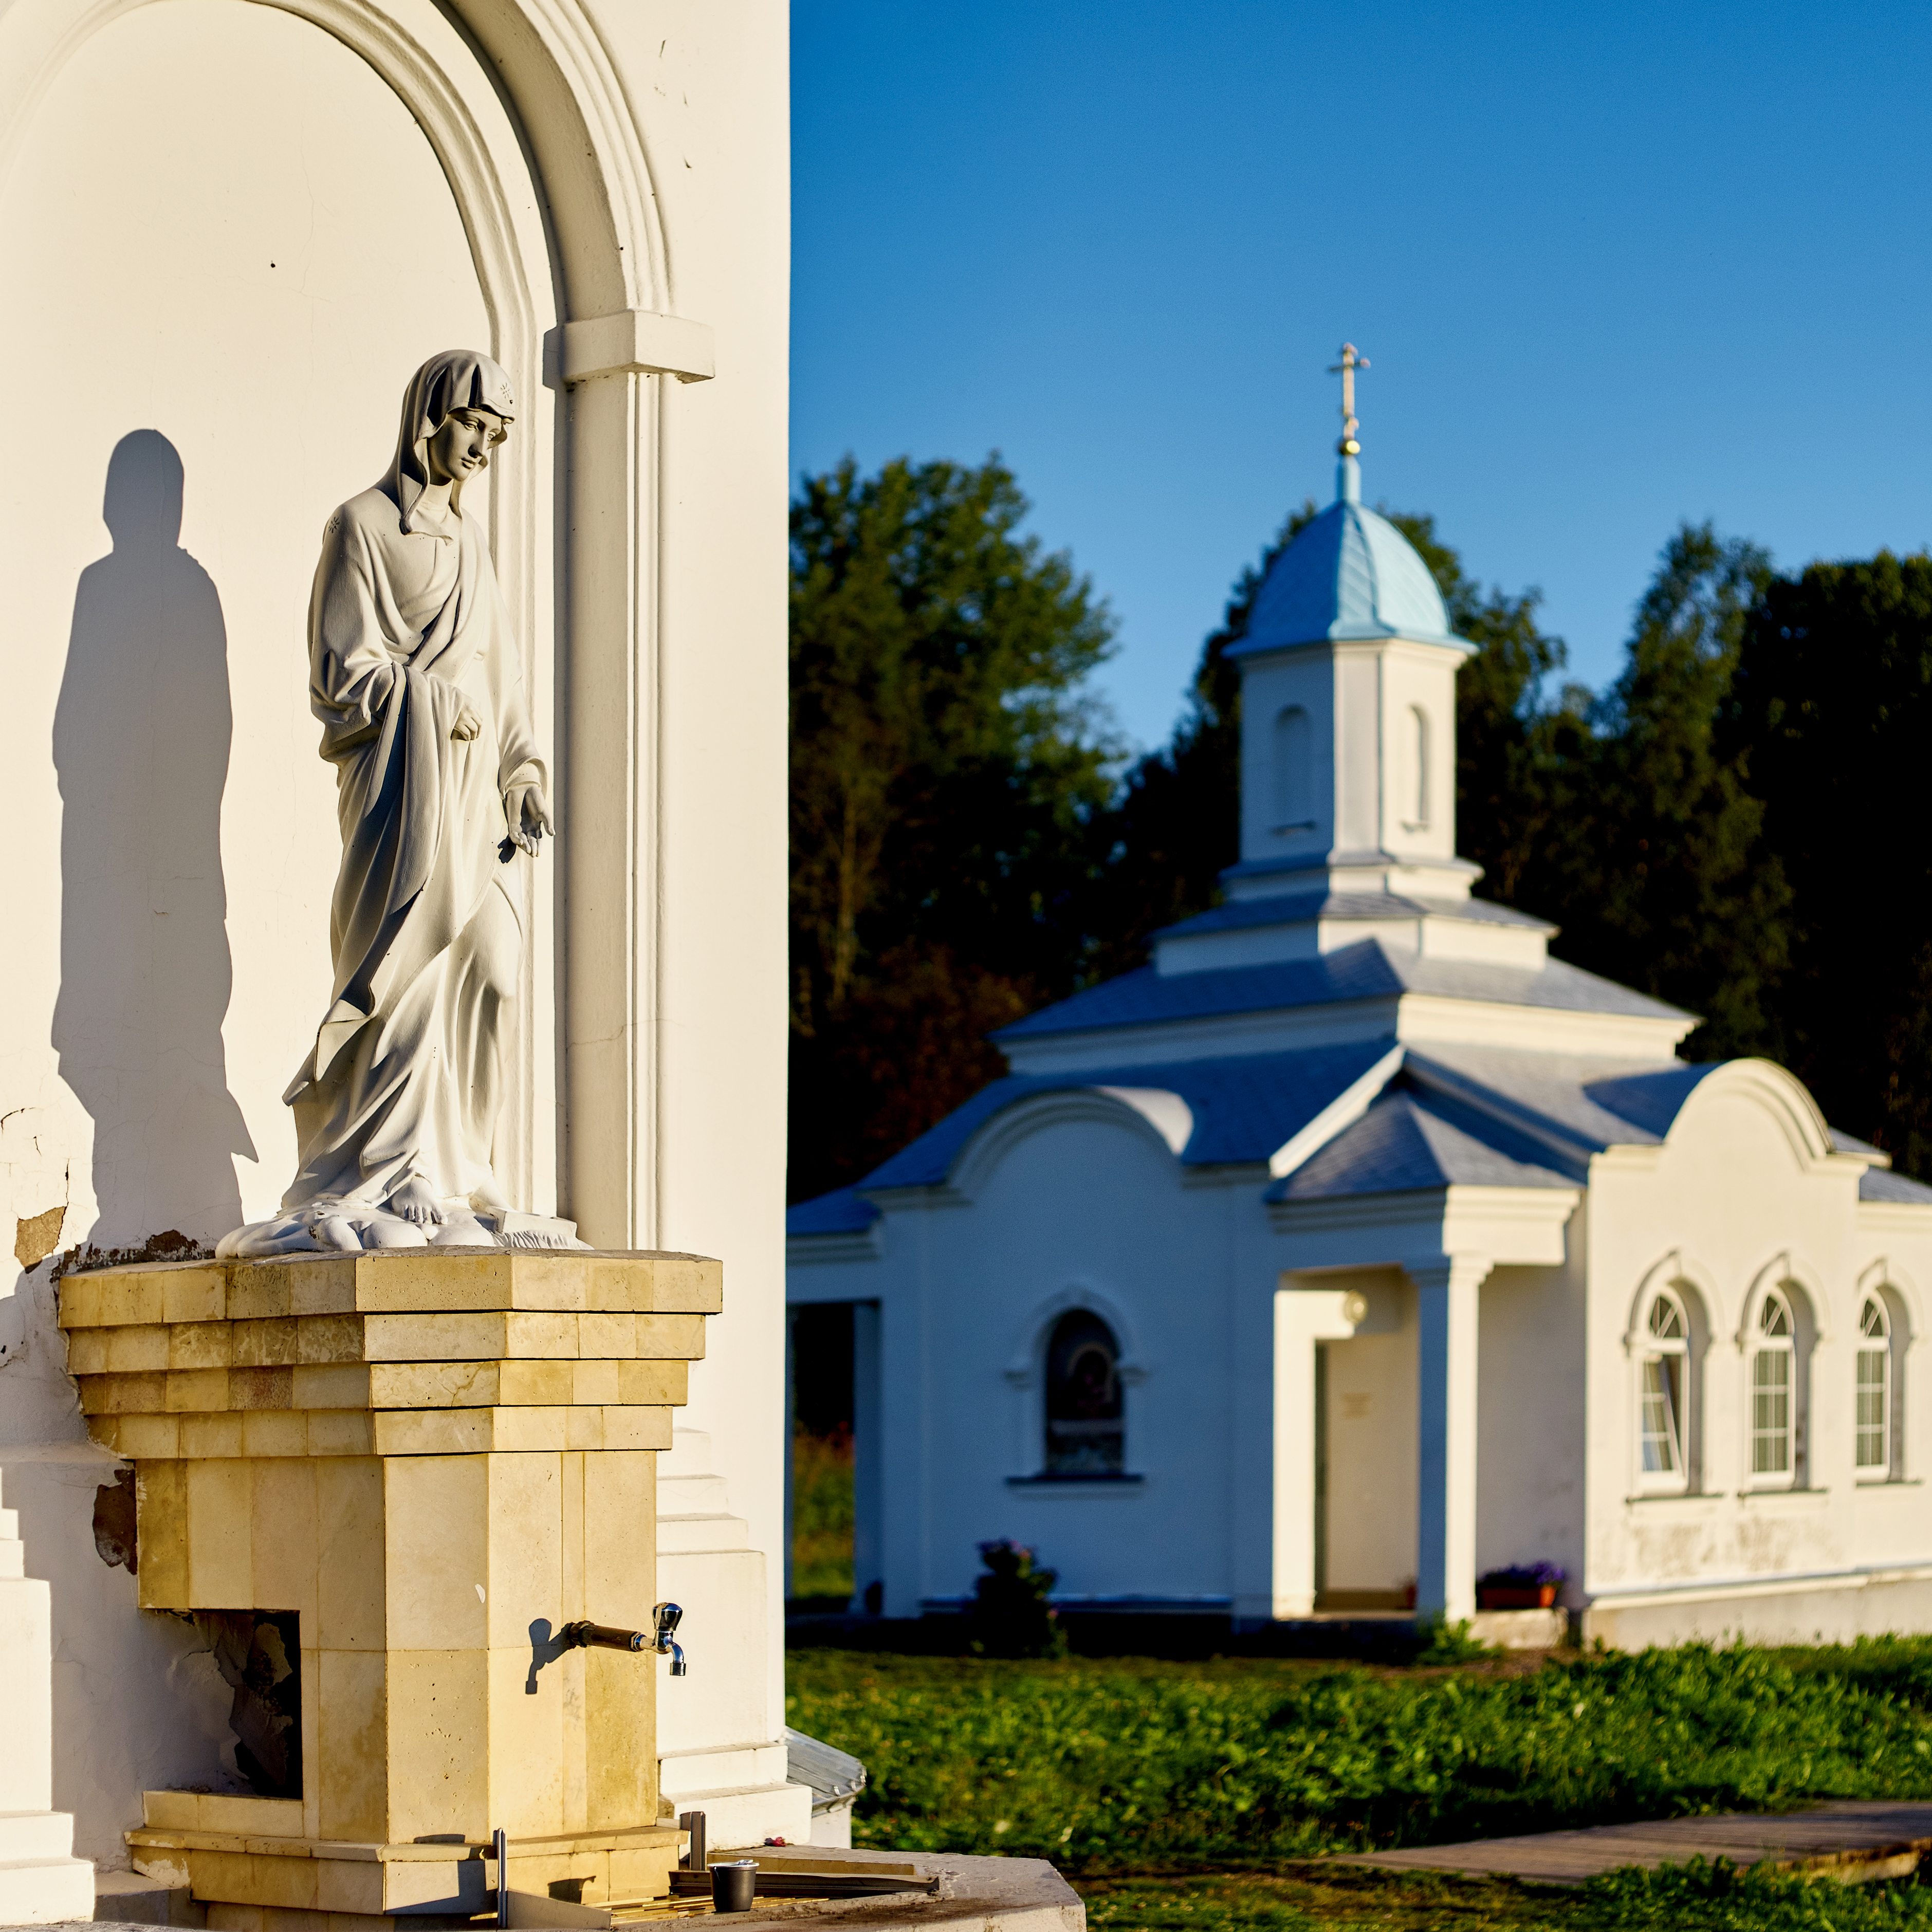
(229, 238)
(1292, 755)
(1417, 775)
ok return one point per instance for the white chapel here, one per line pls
(1354, 1247)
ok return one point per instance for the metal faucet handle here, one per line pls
(668, 1617)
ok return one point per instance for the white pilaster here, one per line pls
(41, 1880)
(721, 1746)
(1445, 1557)
(1304, 1315)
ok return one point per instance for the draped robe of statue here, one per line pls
(407, 627)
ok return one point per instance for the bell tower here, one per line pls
(1348, 755)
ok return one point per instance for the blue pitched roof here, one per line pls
(1404, 1144)
(1652, 1101)
(1244, 1107)
(840, 1212)
(1473, 1116)
(1876, 1184)
(1364, 971)
(1348, 574)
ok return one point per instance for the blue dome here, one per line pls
(1349, 573)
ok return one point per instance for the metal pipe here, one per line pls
(602, 1637)
(503, 1850)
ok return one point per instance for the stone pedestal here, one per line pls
(435, 1460)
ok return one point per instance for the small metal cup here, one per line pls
(734, 1883)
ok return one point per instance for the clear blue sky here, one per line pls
(1613, 265)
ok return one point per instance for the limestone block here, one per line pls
(173, 1294)
(435, 1461)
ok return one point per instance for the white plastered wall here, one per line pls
(224, 226)
(1744, 1193)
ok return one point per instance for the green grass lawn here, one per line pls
(1183, 1795)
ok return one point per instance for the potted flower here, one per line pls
(1522, 1586)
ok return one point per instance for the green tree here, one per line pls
(1832, 704)
(1669, 887)
(946, 763)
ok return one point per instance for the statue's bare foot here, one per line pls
(415, 1201)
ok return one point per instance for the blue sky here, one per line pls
(1613, 267)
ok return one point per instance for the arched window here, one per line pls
(1664, 1423)
(1293, 773)
(1086, 1433)
(1774, 1392)
(1873, 1430)
(1418, 768)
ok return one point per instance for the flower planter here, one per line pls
(1502, 1596)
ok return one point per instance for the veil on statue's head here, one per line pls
(458, 379)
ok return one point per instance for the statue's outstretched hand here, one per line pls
(466, 726)
(528, 812)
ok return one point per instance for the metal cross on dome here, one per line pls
(1345, 369)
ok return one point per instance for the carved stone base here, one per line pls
(424, 1464)
(240, 1854)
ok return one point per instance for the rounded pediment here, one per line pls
(1771, 1088)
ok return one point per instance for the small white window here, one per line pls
(1874, 1391)
(1294, 775)
(1773, 1392)
(1666, 1384)
(1418, 774)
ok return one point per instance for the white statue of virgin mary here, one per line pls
(442, 798)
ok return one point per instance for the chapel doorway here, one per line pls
(1365, 1457)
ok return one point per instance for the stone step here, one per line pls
(42, 1891)
(693, 1496)
(746, 1817)
(32, 1835)
(132, 1898)
(10, 1526)
(687, 1535)
(13, 1562)
(681, 1773)
(689, 1453)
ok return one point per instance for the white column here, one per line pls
(1304, 1315)
(1445, 1557)
(608, 810)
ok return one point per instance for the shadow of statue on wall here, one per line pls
(142, 734)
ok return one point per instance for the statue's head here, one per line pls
(458, 405)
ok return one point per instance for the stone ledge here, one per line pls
(440, 1336)
(397, 1281)
(646, 1382)
(285, 1434)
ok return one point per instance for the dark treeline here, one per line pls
(1721, 827)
